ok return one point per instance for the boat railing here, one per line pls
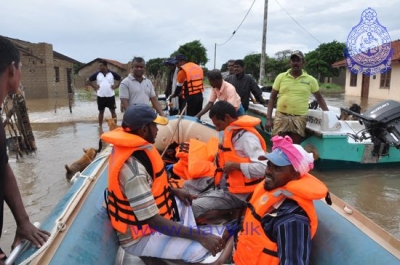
(83, 184)
(18, 249)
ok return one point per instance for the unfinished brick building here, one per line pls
(45, 72)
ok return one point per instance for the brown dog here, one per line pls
(83, 162)
(112, 123)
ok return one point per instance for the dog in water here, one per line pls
(83, 162)
(344, 116)
(112, 123)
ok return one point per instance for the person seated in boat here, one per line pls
(142, 207)
(280, 220)
(221, 90)
(294, 88)
(10, 79)
(238, 168)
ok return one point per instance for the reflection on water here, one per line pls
(61, 135)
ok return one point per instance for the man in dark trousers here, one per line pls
(245, 84)
(104, 87)
(190, 83)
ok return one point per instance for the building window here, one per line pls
(385, 79)
(57, 74)
(353, 79)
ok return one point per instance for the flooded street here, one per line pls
(61, 135)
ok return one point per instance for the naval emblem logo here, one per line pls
(368, 48)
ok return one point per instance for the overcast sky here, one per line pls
(121, 29)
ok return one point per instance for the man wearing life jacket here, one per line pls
(190, 85)
(280, 219)
(238, 168)
(143, 209)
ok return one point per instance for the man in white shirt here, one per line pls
(104, 87)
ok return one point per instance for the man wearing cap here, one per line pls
(136, 88)
(280, 219)
(171, 83)
(143, 209)
(190, 83)
(294, 88)
(171, 64)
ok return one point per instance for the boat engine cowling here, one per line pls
(382, 122)
(385, 123)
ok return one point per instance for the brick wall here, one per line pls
(39, 75)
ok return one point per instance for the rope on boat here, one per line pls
(60, 224)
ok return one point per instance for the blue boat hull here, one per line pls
(339, 241)
(89, 238)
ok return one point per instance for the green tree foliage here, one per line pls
(194, 52)
(252, 65)
(319, 62)
(153, 66)
(278, 64)
(273, 66)
(224, 67)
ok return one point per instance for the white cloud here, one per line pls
(121, 29)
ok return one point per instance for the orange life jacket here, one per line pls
(236, 181)
(194, 79)
(253, 245)
(120, 212)
(196, 159)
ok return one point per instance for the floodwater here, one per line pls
(61, 135)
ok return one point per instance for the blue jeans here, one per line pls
(241, 111)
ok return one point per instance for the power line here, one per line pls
(297, 22)
(233, 33)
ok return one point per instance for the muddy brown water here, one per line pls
(61, 135)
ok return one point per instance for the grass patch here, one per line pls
(328, 87)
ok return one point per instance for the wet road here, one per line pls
(61, 135)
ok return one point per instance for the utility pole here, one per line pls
(263, 45)
(215, 54)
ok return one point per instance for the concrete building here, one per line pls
(380, 86)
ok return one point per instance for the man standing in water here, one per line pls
(104, 87)
(136, 88)
(10, 78)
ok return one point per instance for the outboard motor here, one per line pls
(382, 122)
